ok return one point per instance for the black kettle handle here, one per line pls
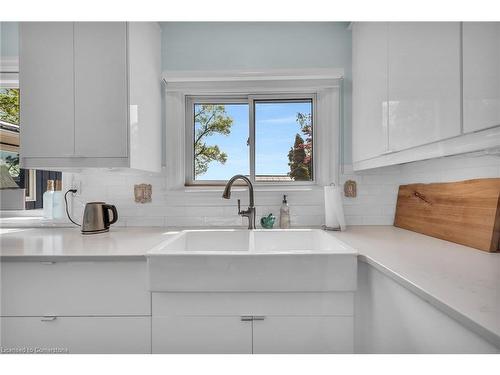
(113, 210)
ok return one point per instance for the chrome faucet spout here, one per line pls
(250, 212)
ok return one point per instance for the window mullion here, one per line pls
(251, 120)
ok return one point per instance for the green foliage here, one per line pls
(299, 170)
(300, 155)
(209, 119)
(9, 105)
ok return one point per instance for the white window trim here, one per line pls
(328, 113)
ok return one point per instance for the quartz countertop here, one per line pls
(461, 281)
(36, 243)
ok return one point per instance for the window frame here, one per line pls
(10, 80)
(250, 100)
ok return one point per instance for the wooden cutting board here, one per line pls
(465, 212)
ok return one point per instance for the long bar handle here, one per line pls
(48, 318)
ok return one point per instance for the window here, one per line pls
(267, 138)
(11, 175)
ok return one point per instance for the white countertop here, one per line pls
(461, 281)
(28, 243)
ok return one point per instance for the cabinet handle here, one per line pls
(387, 152)
(48, 318)
(47, 263)
(251, 318)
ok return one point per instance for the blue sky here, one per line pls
(275, 129)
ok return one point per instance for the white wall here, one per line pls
(378, 188)
(9, 46)
(216, 46)
(374, 205)
(261, 45)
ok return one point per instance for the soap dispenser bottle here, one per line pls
(284, 214)
(48, 200)
(58, 201)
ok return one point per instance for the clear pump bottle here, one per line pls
(284, 214)
(48, 199)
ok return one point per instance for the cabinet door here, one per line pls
(82, 288)
(369, 90)
(481, 75)
(46, 89)
(201, 335)
(424, 83)
(101, 92)
(303, 335)
(75, 335)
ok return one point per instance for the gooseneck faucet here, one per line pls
(250, 212)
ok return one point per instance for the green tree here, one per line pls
(299, 170)
(9, 105)
(209, 119)
(300, 155)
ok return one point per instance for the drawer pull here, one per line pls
(48, 263)
(48, 318)
(251, 318)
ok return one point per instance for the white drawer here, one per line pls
(249, 303)
(201, 335)
(74, 288)
(76, 334)
(303, 335)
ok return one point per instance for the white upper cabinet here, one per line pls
(101, 92)
(417, 108)
(90, 95)
(47, 110)
(481, 70)
(369, 50)
(423, 83)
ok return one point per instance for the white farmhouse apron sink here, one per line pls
(231, 260)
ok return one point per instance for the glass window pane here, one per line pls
(283, 140)
(220, 141)
(9, 137)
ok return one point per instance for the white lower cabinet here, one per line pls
(302, 322)
(77, 306)
(120, 335)
(74, 288)
(303, 335)
(391, 319)
(202, 335)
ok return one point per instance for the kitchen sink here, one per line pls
(227, 260)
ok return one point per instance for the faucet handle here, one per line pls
(239, 206)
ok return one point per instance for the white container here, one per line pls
(48, 200)
(334, 210)
(284, 214)
(58, 201)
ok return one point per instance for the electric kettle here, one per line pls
(96, 217)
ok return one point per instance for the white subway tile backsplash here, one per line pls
(375, 203)
(141, 221)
